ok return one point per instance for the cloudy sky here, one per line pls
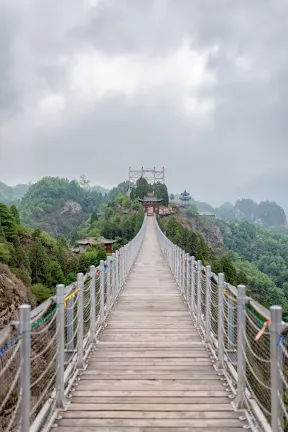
(196, 86)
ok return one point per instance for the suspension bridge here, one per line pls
(149, 341)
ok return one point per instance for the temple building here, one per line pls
(151, 204)
(185, 198)
(84, 244)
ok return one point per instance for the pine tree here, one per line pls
(15, 213)
(8, 224)
(39, 262)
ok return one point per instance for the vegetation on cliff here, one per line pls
(57, 205)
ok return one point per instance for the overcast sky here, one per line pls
(196, 86)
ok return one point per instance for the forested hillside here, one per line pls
(266, 213)
(58, 205)
(245, 255)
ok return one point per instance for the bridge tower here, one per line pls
(150, 174)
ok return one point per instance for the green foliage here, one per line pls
(172, 197)
(4, 252)
(15, 213)
(122, 188)
(54, 274)
(71, 278)
(57, 205)
(41, 292)
(39, 260)
(8, 224)
(192, 210)
(160, 190)
(268, 251)
(142, 188)
(226, 211)
(91, 258)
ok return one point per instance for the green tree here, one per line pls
(41, 292)
(15, 213)
(54, 274)
(142, 188)
(38, 258)
(8, 224)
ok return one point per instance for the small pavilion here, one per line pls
(185, 198)
(84, 244)
(151, 204)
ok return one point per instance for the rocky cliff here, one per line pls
(13, 293)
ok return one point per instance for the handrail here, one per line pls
(245, 339)
(53, 342)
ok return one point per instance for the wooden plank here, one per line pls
(148, 407)
(151, 393)
(138, 400)
(156, 376)
(191, 423)
(128, 414)
(74, 428)
(148, 385)
(151, 354)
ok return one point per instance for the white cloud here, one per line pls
(53, 104)
(97, 75)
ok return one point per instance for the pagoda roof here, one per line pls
(93, 241)
(148, 198)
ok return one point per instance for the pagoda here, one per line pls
(185, 198)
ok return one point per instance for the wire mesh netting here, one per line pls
(44, 335)
(9, 379)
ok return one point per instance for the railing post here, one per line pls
(120, 270)
(93, 304)
(192, 300)
(230, 308)
(208, 305)
(182, 261)
(187, 268)
(61, 399)
(199, 293)
(220, 364)
(276, 366)
(80, 336)
(113, 277)
(123, 266)
(70, 324)
(25, 349)
(117, 285)
(108, 285)
(241, 347)
(178, 265)
(102, 299)
(125, 263)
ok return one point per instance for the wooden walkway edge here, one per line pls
(150, 371)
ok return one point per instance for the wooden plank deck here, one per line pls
(151, 371)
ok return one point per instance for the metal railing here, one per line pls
(40, 355)
(245, 340)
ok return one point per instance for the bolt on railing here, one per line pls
(63, 332)
(245, 339)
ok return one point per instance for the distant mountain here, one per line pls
(266, 213)
(57, 205)
(270, 186)
(12, 194)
